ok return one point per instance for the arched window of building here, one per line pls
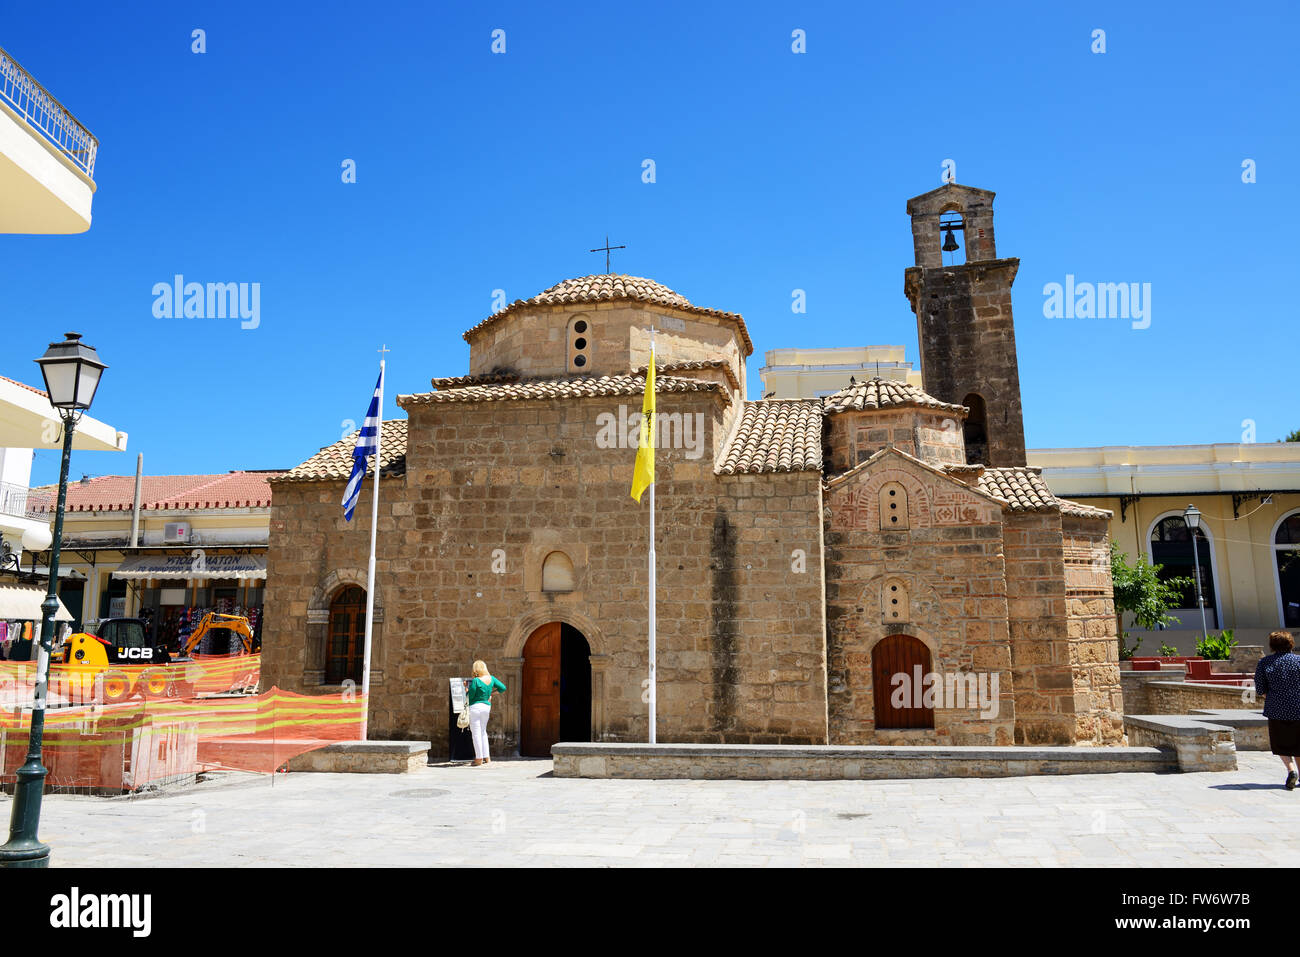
(975, 430)
(1171, 547)
(346, 646)
(557, 572)
(1286, 550)
(893, 506)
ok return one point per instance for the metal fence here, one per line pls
(13, 500)
(34, 104)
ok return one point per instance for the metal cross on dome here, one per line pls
(606, 249)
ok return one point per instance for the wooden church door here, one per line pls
(540, 702)
(894, 655)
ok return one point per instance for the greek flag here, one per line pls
(367, 445)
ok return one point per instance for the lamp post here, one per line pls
(71, 370)
(1192, 516)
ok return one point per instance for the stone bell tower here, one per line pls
(963, 319)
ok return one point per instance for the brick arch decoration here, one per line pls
(318, 617)
(512, 662)
(860, 505)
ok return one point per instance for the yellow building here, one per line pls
(1248, 544)
(812, 373)
(185, 545)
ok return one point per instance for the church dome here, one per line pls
(587, 290)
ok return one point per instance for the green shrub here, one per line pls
(1217, 647)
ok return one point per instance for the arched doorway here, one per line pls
(1286, 549)
(555, 703)
(346, 645)
(975, 430)
(907, 656)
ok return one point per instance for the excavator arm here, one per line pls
(214, 621)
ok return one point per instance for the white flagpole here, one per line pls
(653, 583)
(370, 575)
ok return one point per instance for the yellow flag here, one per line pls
(644, 474)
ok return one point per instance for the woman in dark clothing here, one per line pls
(1277, 677)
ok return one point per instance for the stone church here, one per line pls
(877, 566)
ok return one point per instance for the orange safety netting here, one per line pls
(169, 736)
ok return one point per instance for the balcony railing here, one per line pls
(34, 104)
(17, 500)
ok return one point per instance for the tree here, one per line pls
(1138, 589)
(1293, 437)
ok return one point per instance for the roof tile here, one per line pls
(612, 288)
(878, 393)
(775, 435)
(335, 461)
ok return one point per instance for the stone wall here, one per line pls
(740, 633)
(949, 562)
(849, 763)
(968, 345)
(1090, 615)
(537, 341)
(853, 437)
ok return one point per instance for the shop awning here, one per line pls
(186, 566)
(23, 603)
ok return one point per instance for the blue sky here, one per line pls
(775, 171)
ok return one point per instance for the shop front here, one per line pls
(175, 591)
(20, 618)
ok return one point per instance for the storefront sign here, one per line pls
(196, 563)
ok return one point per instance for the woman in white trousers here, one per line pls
(478, 694)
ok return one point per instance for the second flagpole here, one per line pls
(653, 430)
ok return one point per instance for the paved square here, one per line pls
(514, 813)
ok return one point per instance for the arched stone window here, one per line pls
(1171, 546)
(345, 646)
(1286, 549)
(557, 573)
(894, 604)
(893, 506)
(579, 344)
(975, 430)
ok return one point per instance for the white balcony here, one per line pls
(47, 158)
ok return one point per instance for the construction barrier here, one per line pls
(161, 735)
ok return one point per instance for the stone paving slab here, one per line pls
(515, 813)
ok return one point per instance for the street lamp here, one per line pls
(1192, 516)
(71, 370)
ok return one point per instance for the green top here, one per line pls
(481, 693)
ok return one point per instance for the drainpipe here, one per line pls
(135, 507)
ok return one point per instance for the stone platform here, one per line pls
(834, 763)
(365, 757)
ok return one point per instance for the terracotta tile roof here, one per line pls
(29, 388)
(613, 288)
(1021, 488)
(694, 365)
(578, 387)
(485, 378)
(335, 461)
(1024, 490)
(774, 435)
(1080, 510)
(885, 394)
(116, 493)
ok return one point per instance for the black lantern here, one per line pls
(71, 370)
